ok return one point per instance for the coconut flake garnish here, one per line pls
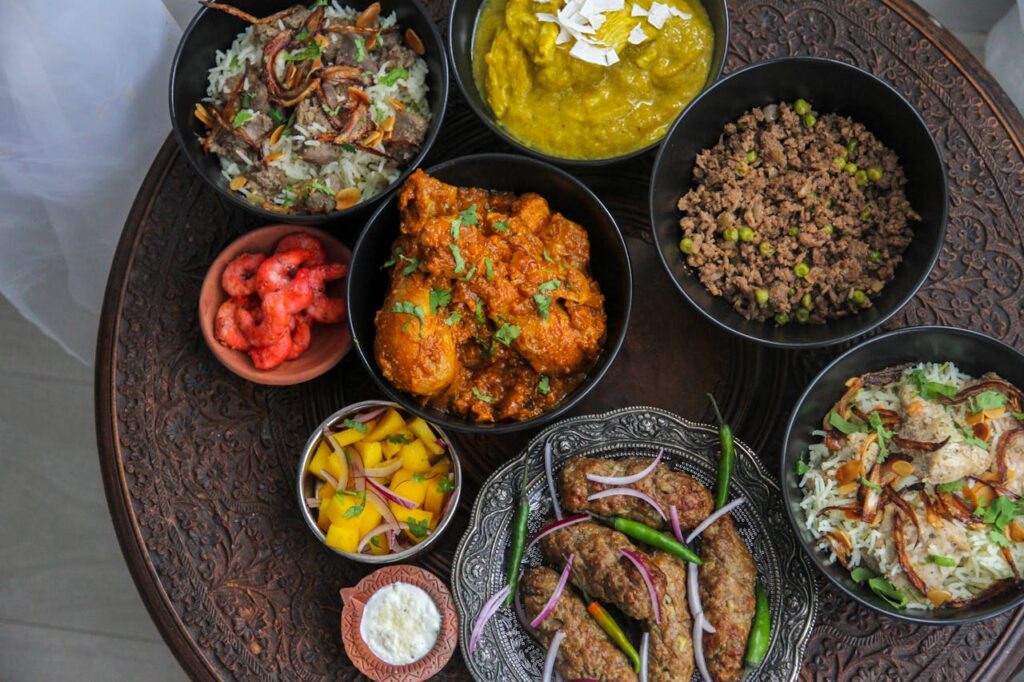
(603, 56)
(676, 12)
(637, 11)
(637, 35)
(658, 15)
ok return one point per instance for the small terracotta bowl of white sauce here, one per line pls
(398, 624)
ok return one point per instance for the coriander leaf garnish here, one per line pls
(395, 255)
(393, 76)
(843, 425)
(469, 216)
(419, 478)
(456, 227)
(869, 484)
(302, 35)
(488, 268)
(241, 118)
(544, 385)
(399, 439)
(469, 275)
(970, 438)
(409, 309)
(547, 256)
(543, 304)
(479, 312)
(930, 389)
(418, 529)
(354, 425)
(482, 396)
(998, 538)
(445, 485)
(331, 112)
(277, 116)
(986, 400)
(460, 265)
(312, 51)
(453, 318)
(500, 225)
(439, 298)
(884, 436)
(1019, 416)
(550, 285)
(320, 187)
(950, 487)
(246, 100)
(360, 50)
(411, 267)
(802, 467)
(507, 334)
(940, 560)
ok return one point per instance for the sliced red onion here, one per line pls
(557, 525)
(693, 596)
(631, 492)
(389, 495)
(645, 643)
(553, 599)
(382, 506)
(676, 530)
(632, 478)
(551, 481)
(648, 581)
(312, 502)
(382, 528)
(358, 472)
(380, 472)
(490, 607)
(330, 479)
(714, 517)
(521, 615)
(364, 417)
(698, 648)
(441, 443)
(549, 662)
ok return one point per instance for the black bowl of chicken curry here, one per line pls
(490, 294)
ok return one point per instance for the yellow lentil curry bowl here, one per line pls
(590, 79)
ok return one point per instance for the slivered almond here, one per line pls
(322, 41)
(1016, 531)
(371, 42)
(276, 135)
(982, 430)
(346, 198)
(238, 182)
(203, 115)
(373, 139)
(414, 42)
(848, 488)
(289, 74)
(902, 468)
(915, 407)
(396, 104)
(939, 597)
(271, 206)
(849, 472)
(274, 156)
(357, 94)
(316, 63)
(388, 124)
(368, 16)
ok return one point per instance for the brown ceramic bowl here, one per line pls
(329, 342)
(359, 653)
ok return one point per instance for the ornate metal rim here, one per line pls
(506, 652)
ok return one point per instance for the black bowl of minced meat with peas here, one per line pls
(799, 202)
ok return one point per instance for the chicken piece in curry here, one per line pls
(491, 312)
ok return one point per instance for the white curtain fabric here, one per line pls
(83, 110)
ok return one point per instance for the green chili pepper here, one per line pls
(728, 457)
(519, 522)
(760, 630)
(615, 633)
(649, 536)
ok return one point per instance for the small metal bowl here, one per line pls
(304, 486)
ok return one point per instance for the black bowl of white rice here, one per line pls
(353, 103)
(927, 527)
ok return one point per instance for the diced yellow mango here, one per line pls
(318, 461)
(379, 544)
(326, 492)
(426, 434)
(394, 442)
(399, 477)
(322, 521)
(437, 492)
(337, 467)
(414, 457)
(343, 538)
(414, 489)
(339, 506)
(368, 520)
(353, 435)
(387, 425)
(418, 520)
(370, 452)
(389, 449)
(440, 467)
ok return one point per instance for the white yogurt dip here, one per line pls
(400, 623)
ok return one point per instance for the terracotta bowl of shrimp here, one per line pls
(272, 308)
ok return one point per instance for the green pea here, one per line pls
(851, 146)
(875, 174)
(730, 234)
(827, 229)
(746, 234)
(806, 301)
(751, 156)
(801, 270)
(761, 296)
(781, 319)
(828, 203)
(843, 154)
(875, 256)
(850, 168)
(801, 106)
(865, 212)
(686, 245)
(861, 177)
(792, 291)
(809, 120)
(766, 249)
(742, 168)
(803, 314)
(794, 231)
(858, 297)
(838, 162)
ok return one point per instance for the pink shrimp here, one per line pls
(226, 328)
(278, 272)
(324, 308)
(306, 242)
(266, 324)
(269, 357)
(239, 277)
(301, 335)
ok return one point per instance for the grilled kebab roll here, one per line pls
(670, 656)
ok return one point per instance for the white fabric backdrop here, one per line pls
(83, 110)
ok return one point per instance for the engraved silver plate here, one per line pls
(506, 652)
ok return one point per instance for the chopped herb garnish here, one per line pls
(999, 513)
(930, 389)
(395, 255)
(970, 439)
(277, 116)
(543, 304)
(354, 425)
(460, 265)
(322, 188)
(951, 487)
(453, 318)
(860, 574)
(445, 485)
(456, 227)
(864, 481)
(1019, 416)
(468, 216)
(884, 589)
(544, 385)
(500, 225)
(884, 436)
(409, 309)
(302, 35)
(547, 256)
(843, 425)
(350, 148)
(393, 76)
(399, 439)
(469, 275)
(375, 541)
(419, 478)
(488, 268)
(998, 538)
(507, 334)
(331, 112)
(550, 285)
(439, 298)
(234, 62)
(312, 51)
(802, 467)
(246, 100)
(291, 120)
(939, 560)
(418, 529)
(482, 396)
(986, 400)
(411, 267)
(241, 118)
(360, 50)
(356, 509)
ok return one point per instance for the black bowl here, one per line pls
(974, 354)
(830, 87)
(368, 281)
(212, 30)
(462, 31)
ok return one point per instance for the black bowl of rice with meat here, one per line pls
(799, 202)
(308, 112)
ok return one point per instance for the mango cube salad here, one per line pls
(384, 483)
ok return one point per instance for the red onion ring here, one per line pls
(382, 528)
(648, 581)
(632, 478)
(698, 648)
(364, 417)
(553, 599)
(312, 502)
(378, 472)
(521, 615)
(557, 525)
(551, 481)
(714, 517)
(693, 597)
(330, 479)
(382, 506)
(389, 495)
(631, 492)
(549, 661)
(645, 643)
(490, 607)
(676, 529)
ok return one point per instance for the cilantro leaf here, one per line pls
(930, 389)
(453, 319)
(395, 255)
(986, 400)
(547, 256)
(320, 187)
(970, 439)
(998, 538)
(951, 487)
(419, 478)
(999, 512)
(469, 275)
(843, 425)
(479, 312)
(939, 560)
(439, 298)
(544, 385)
(241, 118)
(543, 304)
(460, 264)
(802, 467)
(1019, 416)
(411, 267)
(302, 35)
(469, 216)
(419, 529)
(277, 116)
(409, 309)
(550, 285)
(482, 396)
(500, 225)
(360, 50)
(399, 439)
(456, 228)
(393, 76)
(312, 51)
(883, 436)
(355, 426)
(246, 100)
(488, 268)
(445, 485)
(866, 482)
(331, 112)
(507, 334)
